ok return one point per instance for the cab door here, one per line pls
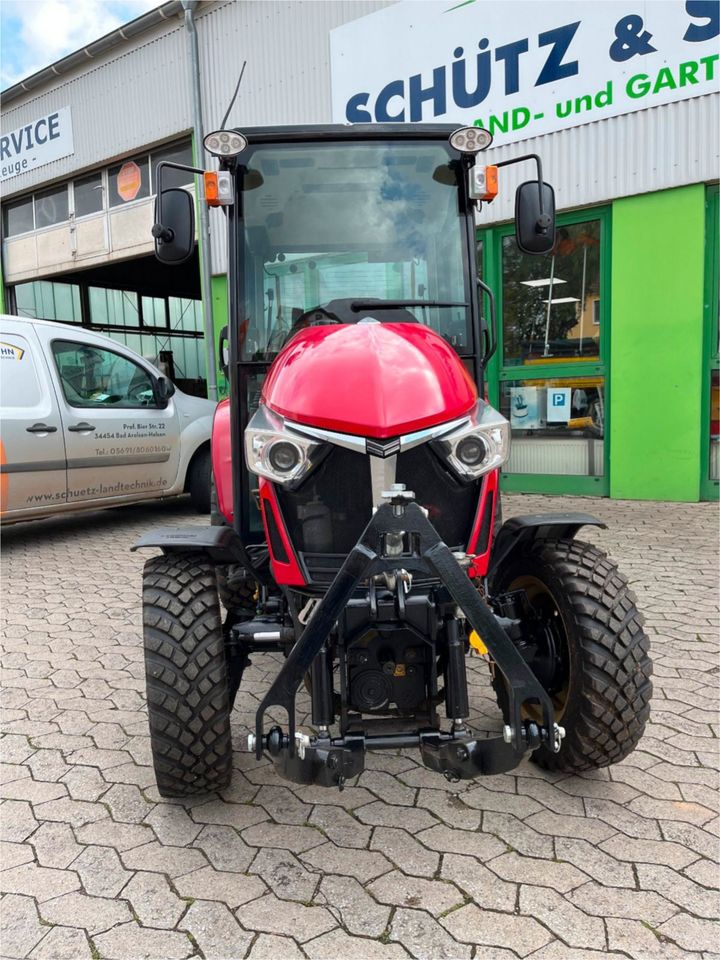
(121, 442)
(32, 450)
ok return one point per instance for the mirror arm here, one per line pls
(538, 164)
(160, 232)
(543, 221)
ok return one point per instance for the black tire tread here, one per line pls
(187, 685)
(237, 594)
(612, 701)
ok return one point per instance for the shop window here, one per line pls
(551, 304)
(153, 312)
(48, 300)
(117, 308)
(185, 315)
(188, 356)
(177, 153)
(180, 358)
(17, 217)
(558, 425)
(128, 181)
(88, 194)
(131, 340)
(51, 207)
(93, 377)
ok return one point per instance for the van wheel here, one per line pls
(188, 693)
(591, 652)
(198, 481)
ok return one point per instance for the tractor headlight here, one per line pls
(274, 451)
(478, 446)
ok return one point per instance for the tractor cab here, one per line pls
(336, 225)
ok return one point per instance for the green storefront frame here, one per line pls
(710, 489)
(220, 320)
(498, 372)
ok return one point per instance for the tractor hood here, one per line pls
(369, 379)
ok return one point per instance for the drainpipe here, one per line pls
(204, 227)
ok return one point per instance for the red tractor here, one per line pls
(358, 528)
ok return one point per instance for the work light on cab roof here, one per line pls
(470, 139)
(225, 143)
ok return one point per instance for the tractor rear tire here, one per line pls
(188, 695)
(605, 703)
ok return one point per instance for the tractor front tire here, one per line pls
(604, 701)
(188, 695)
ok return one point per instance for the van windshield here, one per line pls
(330, 224)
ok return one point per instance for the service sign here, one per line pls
(39, 142)
(522, 68)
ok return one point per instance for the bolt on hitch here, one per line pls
(534, 735)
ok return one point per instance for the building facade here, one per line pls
(607, 360)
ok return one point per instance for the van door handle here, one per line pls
(81, 427)
(41, 428)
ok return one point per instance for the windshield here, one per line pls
(328, 225)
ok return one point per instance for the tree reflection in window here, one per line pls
(551, 303)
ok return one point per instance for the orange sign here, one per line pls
(129, 180)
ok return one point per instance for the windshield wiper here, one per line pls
(357, 305)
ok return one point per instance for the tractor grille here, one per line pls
(451, 505)
(330, 510)
(327, 514)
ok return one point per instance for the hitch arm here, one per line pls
(523, 682)
(285, 686)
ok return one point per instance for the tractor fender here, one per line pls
(517, 533)
(220, 544)
(222, 460)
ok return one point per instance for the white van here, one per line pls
(88, 423)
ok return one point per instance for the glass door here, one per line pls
(550, 372)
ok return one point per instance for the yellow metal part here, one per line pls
(580, 423)
(476, 642)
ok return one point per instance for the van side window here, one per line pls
(19, 386)
(93, 377)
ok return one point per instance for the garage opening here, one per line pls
(153, 309)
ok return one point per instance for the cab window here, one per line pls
(93, 377)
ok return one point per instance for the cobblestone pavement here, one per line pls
(618, 863)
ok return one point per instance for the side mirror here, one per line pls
(535, 222)
(164, 389)
(174, 227)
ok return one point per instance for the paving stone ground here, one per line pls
(622, 862)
